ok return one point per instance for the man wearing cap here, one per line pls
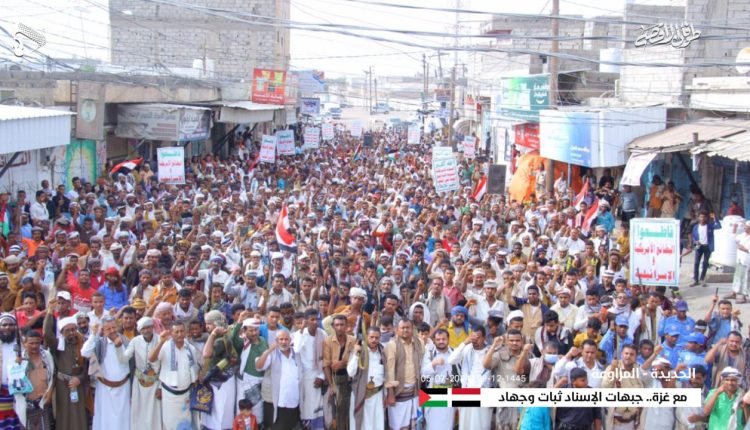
(244, 289)
(681, 320)
(720, 407)
(71, 370)
(249, 347)
(355, 315)
(565, 310)
(112, 400)
(145, 405)
(484, 303)
(8, 327)
(214, 274)
(693, 354)
(615, 338)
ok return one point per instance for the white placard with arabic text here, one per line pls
(268, 149)
(655, 251)
(470, 146)
(312, 138)
(285, 142)
(171, 162)
(413, 135)
(445, 171)
(357, 128)
(327, 130)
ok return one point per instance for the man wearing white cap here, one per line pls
(112, 400)
(567, 311)
(484, 303)
(214, 274)
(146, 407)
(250, 345)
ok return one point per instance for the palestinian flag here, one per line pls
(480, 190)
(284, 237)
(126, 166)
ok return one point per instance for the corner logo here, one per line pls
(27, 36)
(662, 34)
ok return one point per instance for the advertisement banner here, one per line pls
(268, 86)
(523, 97)
(171, 162)
(527, 135)
(311, 82)
(311, 138)
(268, 149)
(309, 106)
(327, 130)
(357, 128)
(285, 142)
(414, 134)
(80, 161)
(162, 122)
(566, 136)
(655, 251)
(470, 146)
(445, 171)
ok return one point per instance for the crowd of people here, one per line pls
(324, 290)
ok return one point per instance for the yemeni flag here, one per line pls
(480, 190)
(126, 166)
(453, 397)
(590, 216)
(283, 236)
(579, 198)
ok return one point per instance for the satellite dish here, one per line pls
(743, 57)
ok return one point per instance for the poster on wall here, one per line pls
(80, 161)
(268, 86)
(171, 161)
(285, 142)
(311, 138)
(655, 251)
(268, 149)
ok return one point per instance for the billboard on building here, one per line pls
(163, 122)
(268, 86)
(90, 108)
(523, 97)
(310, 82)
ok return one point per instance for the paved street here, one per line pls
(699, 298)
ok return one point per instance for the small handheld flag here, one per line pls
(126, 166)
(284, 237)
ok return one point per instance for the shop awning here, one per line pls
(463, 126)
(245, 111)
(162, 121)
(735, 148)
(680, 138)
(26, 129)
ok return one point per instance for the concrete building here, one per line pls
(148, 34)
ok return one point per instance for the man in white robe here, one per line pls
(308, 343)
(436, 368)
(178, 370)
(404, 356)
(145, 406)
(112, 400)
(368, 377)
(470, 355)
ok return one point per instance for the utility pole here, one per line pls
(426, 77)
(552, 94)
(368, 86)
(369, 100)
(453, 107)
(376, 92)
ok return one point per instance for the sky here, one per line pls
(79, 29)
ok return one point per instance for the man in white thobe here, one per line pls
(436, 367)
(112, 400)
(368, 376)
(470, 355)
(308, 343)
(145, 406)
(177, 361)
(284, 366)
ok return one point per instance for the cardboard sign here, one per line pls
(285, 142)
(268, 149)
(312, 138)
(171, 162)
(469, 147)
(655, 251)
(327, 129)
(445, 171)
(414, 135)
(356, 128)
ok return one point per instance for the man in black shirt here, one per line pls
(579, 418)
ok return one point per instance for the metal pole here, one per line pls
(453, 106)
(552, 94)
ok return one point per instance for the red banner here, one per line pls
(527, 135)
(268, 86)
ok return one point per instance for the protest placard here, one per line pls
(268, 149)
(285, 142)
(655, 251)
(171, 162)
(312, 138)
(327, 129)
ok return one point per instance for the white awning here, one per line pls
(245, 111)
(463, 125)
(637, 163)
(27, 129)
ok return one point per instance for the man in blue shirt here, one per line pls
(722, 322)
(692, 355)
(615, 338)
(669, 348)
(684, 323)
